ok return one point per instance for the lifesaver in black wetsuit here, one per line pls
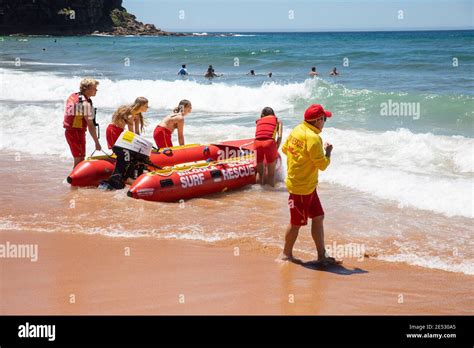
(133, 154)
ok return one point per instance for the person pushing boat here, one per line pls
(164, 130)
(268, 135)
(129, 165)
(130, 116)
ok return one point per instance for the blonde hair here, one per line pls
(182, 105)
(122, 114)
(87, 83)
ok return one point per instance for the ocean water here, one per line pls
(418, 162)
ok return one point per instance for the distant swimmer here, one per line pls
(79, 116)
(313, 72)
(210, 73)
(334, 72)
(268, 135)
(251, 73)
(164, 130)
(183, 71)
(270, 74)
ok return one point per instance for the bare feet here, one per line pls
(285, 258)
(325, 261)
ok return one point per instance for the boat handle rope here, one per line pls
(105, 153)
(241, 146)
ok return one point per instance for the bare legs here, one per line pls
(290, 239)
(317, 232)
(269, 178)
(260, 173)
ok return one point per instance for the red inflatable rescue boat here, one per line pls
(194, 180)
(93, 170)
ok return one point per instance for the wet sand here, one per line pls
(187, 253)
(181, 277)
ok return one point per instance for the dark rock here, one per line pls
(71, 17)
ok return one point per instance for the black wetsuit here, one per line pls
(130, 164)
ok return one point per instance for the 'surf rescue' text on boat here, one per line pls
(194, 180)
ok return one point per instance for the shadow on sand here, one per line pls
(331, 268)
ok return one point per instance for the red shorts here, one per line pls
(76, 138)
(266, 150)
(162, 137)
(303, 207)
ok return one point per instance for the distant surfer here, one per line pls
(183, 71)
(334, 72)
(270, 74)
(313, 72)
(251, 73)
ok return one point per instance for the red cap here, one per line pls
(315, 111)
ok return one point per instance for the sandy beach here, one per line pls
(104, 253)
(107, 275)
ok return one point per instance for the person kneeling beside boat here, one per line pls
(133, 154)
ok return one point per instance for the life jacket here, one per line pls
(267, 128)
(76, 111)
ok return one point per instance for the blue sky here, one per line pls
(307, 15)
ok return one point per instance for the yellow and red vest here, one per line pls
(76, 111)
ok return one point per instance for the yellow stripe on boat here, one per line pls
(179, 147)
(198, 164)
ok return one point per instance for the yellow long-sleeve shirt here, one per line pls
(305, 157)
